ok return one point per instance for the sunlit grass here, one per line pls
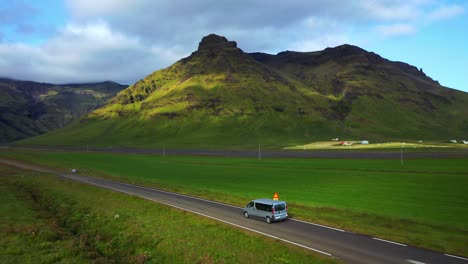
(335, 145)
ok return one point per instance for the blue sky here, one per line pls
(89, 40)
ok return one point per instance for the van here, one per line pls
(267, 209)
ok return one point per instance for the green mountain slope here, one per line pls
(378, 98)
(30, 108)
(221, 97)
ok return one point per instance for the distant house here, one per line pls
(420, 141)
(465, 141)
(452, 141)
(334, 139)
(345, 143)
(365, 142)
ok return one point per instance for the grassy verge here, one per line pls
(423, 203)
(28, 232)
(78, 223)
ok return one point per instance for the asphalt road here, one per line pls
(344, 154)
(340, 244)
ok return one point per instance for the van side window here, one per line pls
(263, 207)
(260, 206)
(251, 204)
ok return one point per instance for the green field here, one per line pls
(46, 220)
(424, 202)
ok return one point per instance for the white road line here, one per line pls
(388, 241)
(201, 199)
(448, 255)
(88, 180)
(233, 206)
(178, 194)
(310, 223)
(227, 222)
(414, 261)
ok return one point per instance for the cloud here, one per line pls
(185, 22)
(326, 40)
(396, 30)
(125, 40)
(393, 10)
(445, 12)
(84, 53)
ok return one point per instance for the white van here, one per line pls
(267, 209)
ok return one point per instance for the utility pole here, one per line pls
(259, 153)
(401, 155)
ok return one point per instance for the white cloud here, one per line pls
(93, 8)
(396, 30)
(445, 12)
(319, 43)
(393, 10)
(125, 40)
(91, 52)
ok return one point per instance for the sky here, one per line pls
(72, 41)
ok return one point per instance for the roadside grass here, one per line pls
(28, 232)
(423, 203)
(49, 219)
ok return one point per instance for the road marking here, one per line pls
(212, 217)
(414, 261)
(178, 194)
(310, 223)
(201, 199)
(89, 180)
(388, 241)
(448, 255)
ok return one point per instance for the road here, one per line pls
(336, 243)
(343, 154)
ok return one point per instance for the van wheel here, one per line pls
(268, 220)
(246, 215)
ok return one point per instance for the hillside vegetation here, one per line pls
(221, 97)
(30, 108)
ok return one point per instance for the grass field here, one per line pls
(424, 202)
(47, 220)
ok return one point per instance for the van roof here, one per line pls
(267, 201)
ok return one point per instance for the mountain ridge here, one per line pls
(220, 95)
(30, 108)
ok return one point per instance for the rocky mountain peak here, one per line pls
(345, 50)
(214, 41)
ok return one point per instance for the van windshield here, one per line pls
(280, 207)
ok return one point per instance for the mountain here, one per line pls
(377, 98)
(222, 97)
(30, 108)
